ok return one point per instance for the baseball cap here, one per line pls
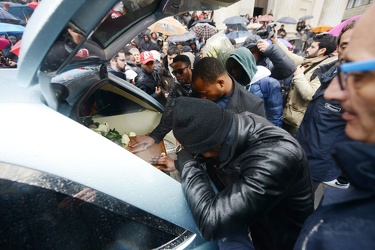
(146, 56)
(251, 41)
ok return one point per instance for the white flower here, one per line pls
(125, 139)
(132, 134)
(103, 127)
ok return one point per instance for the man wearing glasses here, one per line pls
(117, 65)
(181, 66)
(348, 221)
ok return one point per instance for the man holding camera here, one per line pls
(305, 83)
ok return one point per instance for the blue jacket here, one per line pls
(322, 128)
(264, 87)
(269, 90)
(346, 217)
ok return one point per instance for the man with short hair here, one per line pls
(117, 65)
(147, 79)
(212, 82)
(345, 219)
(136, 63)
(261, 172)
(304, 84)
(181, 66)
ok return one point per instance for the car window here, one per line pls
(42, 211)
(130, 13)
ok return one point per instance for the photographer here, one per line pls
(270, 55)
(273, 58)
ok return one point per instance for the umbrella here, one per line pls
(337, 29)
(6, 17)
(168, 26)
(287, 20)
(238, 34)
(321, 28)
(210, 22)
(237, 27)
(304, 18)
(189, 35)
(16, 48)
(204, 30)
(11, 28)
(236, 20)
(33, 4)
(266, 18)
(3, 43)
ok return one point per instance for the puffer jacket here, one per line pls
(269, 90)
(267, 186)
(345, 219)
(279, 63)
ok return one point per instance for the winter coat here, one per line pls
(278, 62)
(302, 90)
(303, 87)
(267, 186)
(147, 82)
(269, 90)
(116, 73)
(322, 128)
(347, 219)
(257, 81)
(147, 46)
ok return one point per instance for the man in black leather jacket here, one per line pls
(265, 187)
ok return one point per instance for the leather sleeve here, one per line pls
(268, 167)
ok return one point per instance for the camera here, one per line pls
(268, 32)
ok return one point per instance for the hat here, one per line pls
(251, 41)
(186, 49)
(200, 125)
(146, 56)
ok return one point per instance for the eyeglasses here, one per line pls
(345, 68)
(179, 71)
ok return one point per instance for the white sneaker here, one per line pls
(335, 183)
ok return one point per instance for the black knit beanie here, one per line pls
(200, 125)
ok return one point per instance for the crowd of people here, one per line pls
(269, 152)
(270, 128)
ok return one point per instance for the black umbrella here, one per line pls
(304, 18)
(287, 20)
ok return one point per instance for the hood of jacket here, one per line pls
(244, 57)
(261, 73)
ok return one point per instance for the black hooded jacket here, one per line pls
(267, 186)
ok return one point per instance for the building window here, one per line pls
(354, 3)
